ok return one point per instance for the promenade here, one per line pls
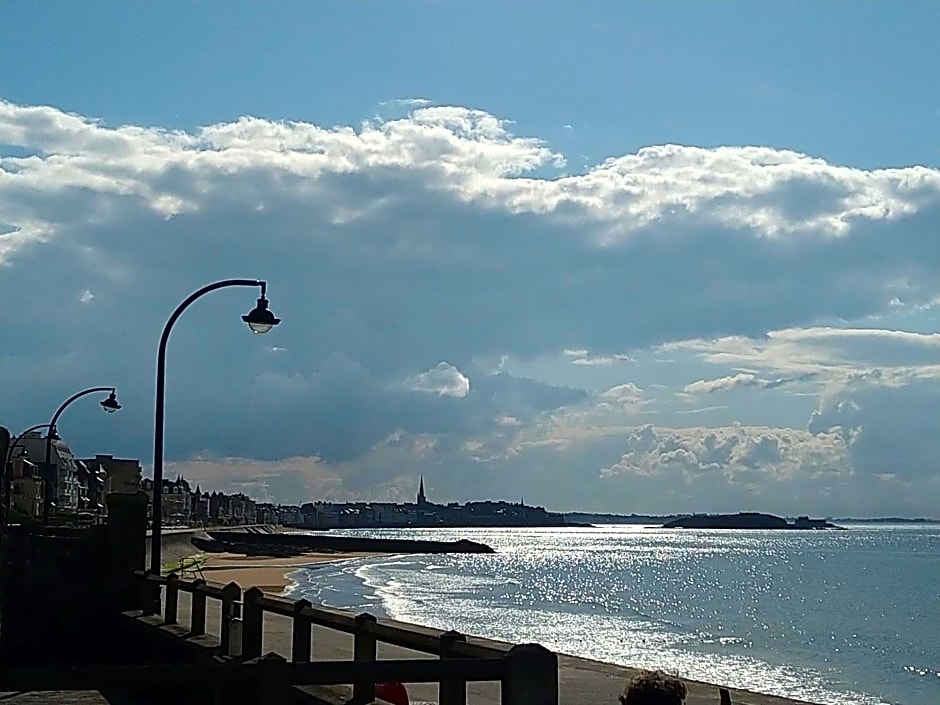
(581, 681)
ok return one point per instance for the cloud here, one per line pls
(740, 381)
(740, 453)
(600, 361)
(738, 467)
(889, 429)
(443, 380)
(627, 393)
(408, 102)
(395, 244)
(445, 192)
(822, 351)
(722, 384)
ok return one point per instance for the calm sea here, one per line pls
(831, 617)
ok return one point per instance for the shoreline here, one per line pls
(269, 573)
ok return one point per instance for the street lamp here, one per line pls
(260, 320)
(110, 405)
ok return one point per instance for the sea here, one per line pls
(835, 617)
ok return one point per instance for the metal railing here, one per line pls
(527, 673)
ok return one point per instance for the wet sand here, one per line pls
(266, 572)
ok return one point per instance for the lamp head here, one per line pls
(260, 319)
(111, 404)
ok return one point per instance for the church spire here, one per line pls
(422, 500)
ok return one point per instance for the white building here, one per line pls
(70, 495)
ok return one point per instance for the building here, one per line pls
(289, 515)
(266, 513)
(219, 508)
(68, 495)
(177, 503)
(243, 509)
(200, 511)
(92, 480)
(422, 501)
(122, 475)
(26, 488)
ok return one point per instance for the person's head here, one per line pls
(653, 688)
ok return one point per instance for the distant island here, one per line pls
(746, 520)
(888, 520)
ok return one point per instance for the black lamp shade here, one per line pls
(260, 320)
(111, 404)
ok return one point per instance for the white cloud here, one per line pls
(742, 380)
(740, 454)
(601, 360)
(833, 359)
(444, 380)
(408, 102)
(627, 393)
(86, 297)
(817, 349)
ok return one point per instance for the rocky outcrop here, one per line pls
(746, 520)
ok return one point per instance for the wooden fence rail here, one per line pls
(528, 673)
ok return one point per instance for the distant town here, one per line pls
(81, 484)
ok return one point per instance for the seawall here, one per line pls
(176, 544)
(299, 542)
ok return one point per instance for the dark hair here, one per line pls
(653, 688)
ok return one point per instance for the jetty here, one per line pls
(266, 541)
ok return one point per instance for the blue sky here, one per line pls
(848, 81)
(611, 256)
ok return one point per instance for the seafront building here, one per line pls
(70, 495)
(26, 488)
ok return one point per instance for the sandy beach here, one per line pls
(266, 572)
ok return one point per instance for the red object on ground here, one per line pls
(394, 693)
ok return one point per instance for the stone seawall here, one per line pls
(324, 543)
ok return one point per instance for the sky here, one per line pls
(645, 257)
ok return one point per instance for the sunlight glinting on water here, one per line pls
(808, 615)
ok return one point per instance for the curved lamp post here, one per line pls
(110, 405)
(17, 439)
(260, 320)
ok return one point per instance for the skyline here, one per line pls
(622, 295)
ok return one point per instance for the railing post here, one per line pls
(140, 587)
(364, 650)
(252, 623)
(172, 598)
(300, 637)
(270, 689)
(197, 610)
(452, 691)
(230, 595)
(724, 696)
(531, 676)
(149, 595)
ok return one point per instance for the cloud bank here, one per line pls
(405, 254)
